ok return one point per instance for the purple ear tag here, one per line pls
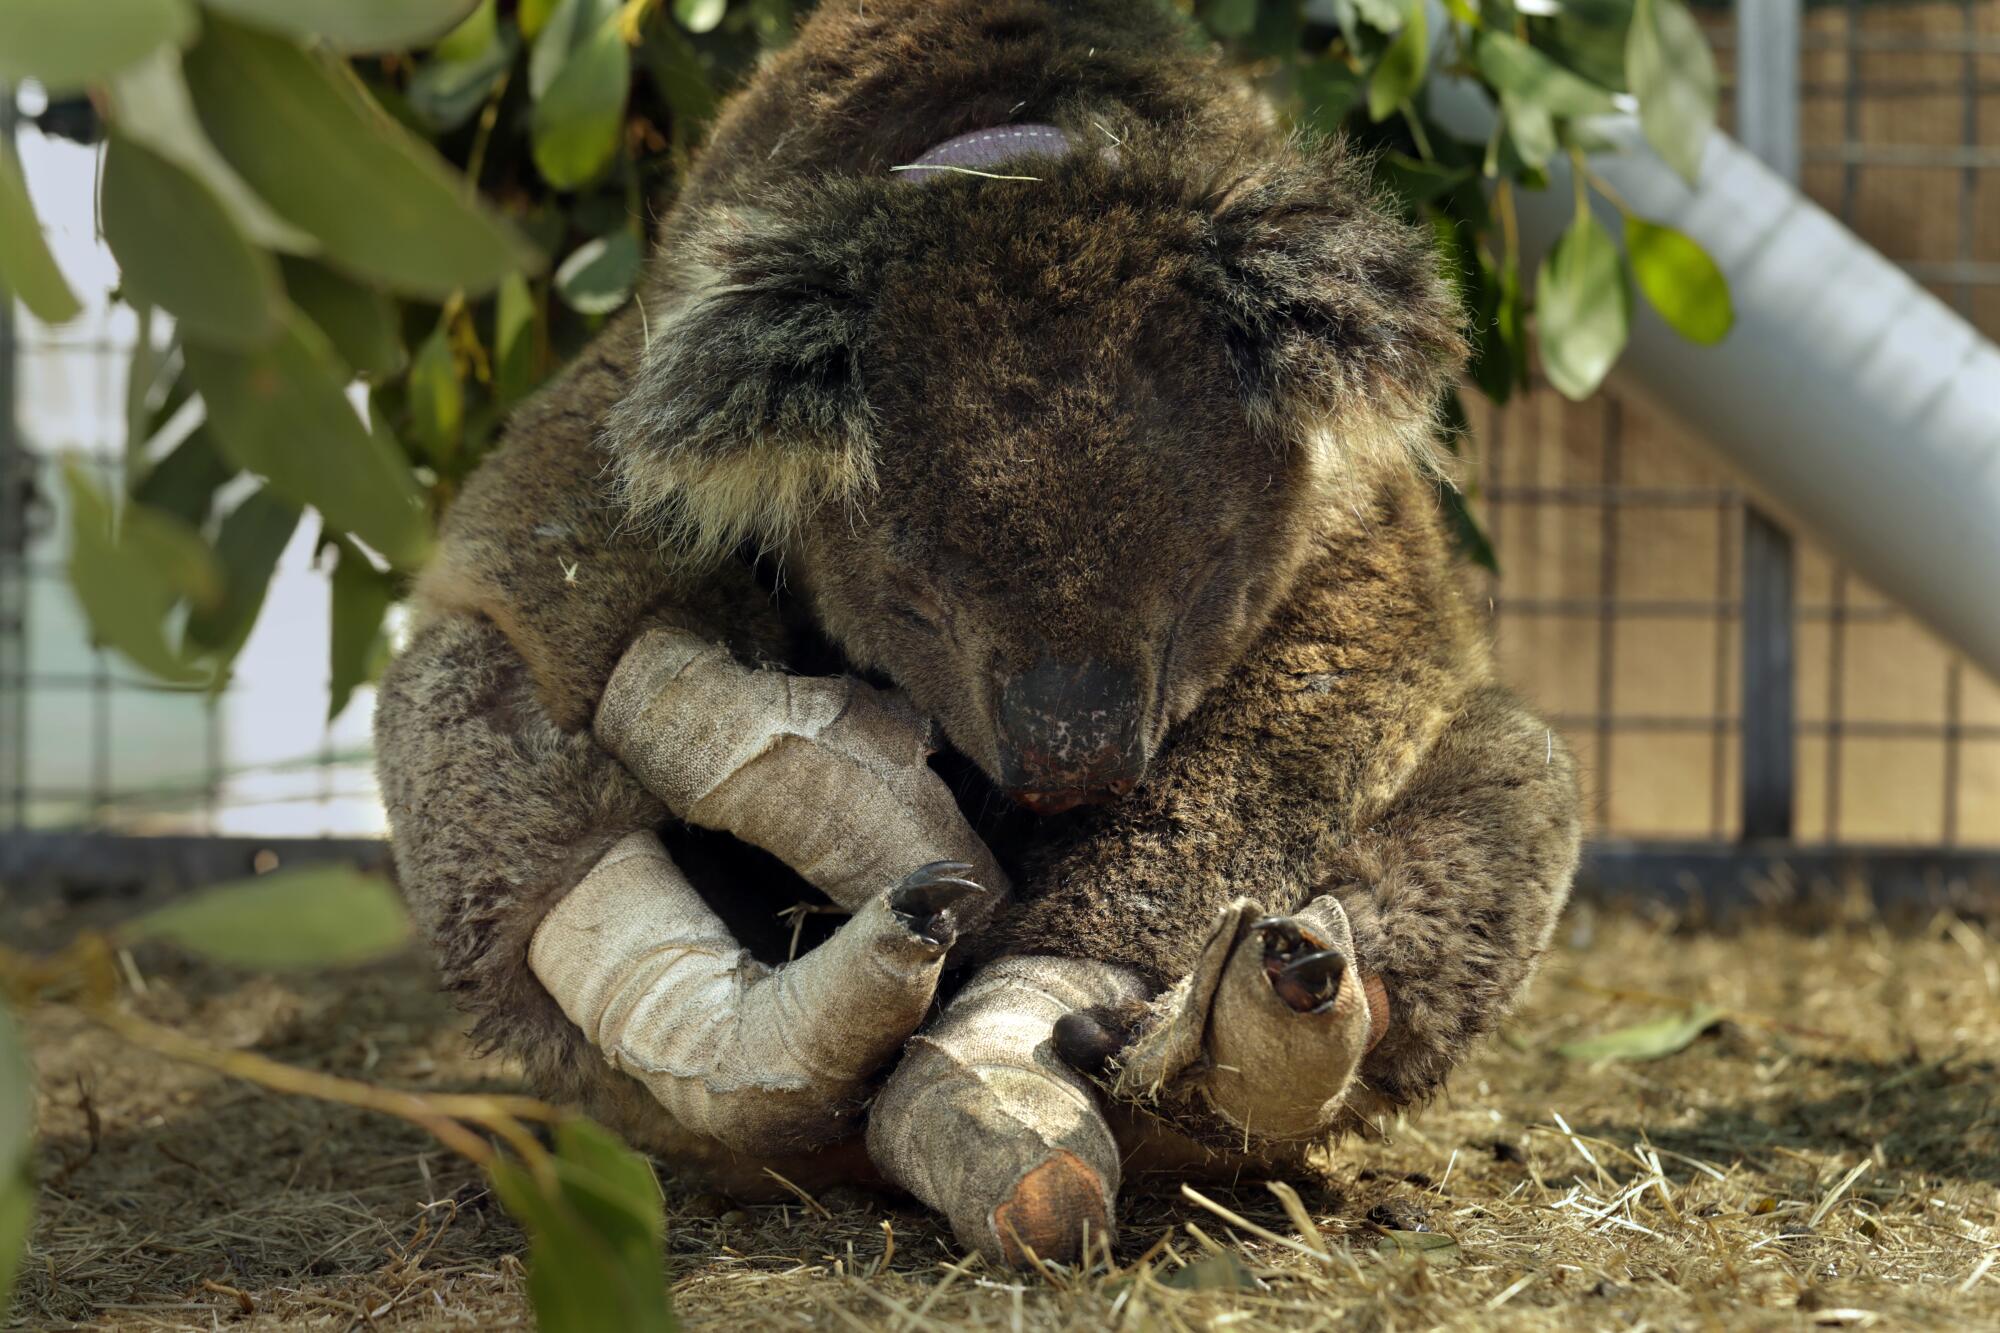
(983, 150)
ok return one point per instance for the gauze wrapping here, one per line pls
(1223, 1035)
(761, 1059)
(825, 772)
(984, 1122)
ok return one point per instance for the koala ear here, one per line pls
(1343, 334)
(747, 409)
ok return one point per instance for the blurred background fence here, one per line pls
(1668, 621)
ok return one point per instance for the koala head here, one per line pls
(1046, 453)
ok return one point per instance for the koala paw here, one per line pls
(1260, 1041)
(925, 900)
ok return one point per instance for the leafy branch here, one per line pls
(591, 1207)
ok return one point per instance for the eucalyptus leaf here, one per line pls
(514, 360)
(1583, 308)
(304, 135)
(465, 70)
(1330, 89)
(1530, 128)
(310, 917)
(352, 25)
(1400, 71)
(1680, 281)
(1229, 18)
(1386, 16)
(66, 44)
(436, 398)
(150, 104)
(1646, 1041)
(26, 267)
(128, 571)
(580, 118)
(282, 412)
(184, 482)
(594, 1265)
(362, 596)
(247, 547)
(598, 277)
(1671, 71)
(568, 27)
(1518, 69)
(700, 16)
(179, 248)
(678, 74)
(358, 320)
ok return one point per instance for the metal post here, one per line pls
(1767, 123)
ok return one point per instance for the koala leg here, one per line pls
(1258, 1044)
(825, 772)
(983, 1122)
(752, 1056)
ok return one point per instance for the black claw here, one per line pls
(1089, 1039)
(923, 901)
(1311, 982)
(1281, 934)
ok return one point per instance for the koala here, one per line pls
(1007, 520)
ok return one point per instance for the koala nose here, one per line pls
(1070, 735)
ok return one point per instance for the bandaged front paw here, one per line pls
(1259, 1043)
(984, 1123)
(825, 772)
(760, 1059)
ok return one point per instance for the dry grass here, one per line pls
(1830, 1156)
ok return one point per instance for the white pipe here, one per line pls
(1859, 403)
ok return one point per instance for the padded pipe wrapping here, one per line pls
(983, 1121)
(761, 1059)
(825, 772)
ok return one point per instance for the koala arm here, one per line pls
(1360, 752)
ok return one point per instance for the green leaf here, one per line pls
(568, 27)
(1646, 1041)
(678, 74)
(514, 361)
(151, 105)
(436, 398)
(1432, 1245)
(1531, 127)
(1500, 331)
(580, 118)
(1215, 1272)
(598, 277)
(179, 248)
(26, 267)
(1386, 16)
(282, 412)
(1415, 181)
(1229, 18)
(1330, 89)
(700, 15)
(307, 138)
(65, 44)
(129, 573)
(465, 70)
(359, 321)
(594, 1252)
(362, 596)
(1671, 71)
(1401, 69)
(247, 546)
(1680, 280)
(352, 25)
(1514, 67)
(622, 1176)
(1583, 309)
(314, 916)
(17, 1133)
(184, 483)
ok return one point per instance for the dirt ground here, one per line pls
(1828, 1155)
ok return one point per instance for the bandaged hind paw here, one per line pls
(985, 1123)
(1258, 1045)
(761, 1059)
(826, 772)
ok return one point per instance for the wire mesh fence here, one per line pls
(1619, 608)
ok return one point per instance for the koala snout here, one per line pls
(1071, 735)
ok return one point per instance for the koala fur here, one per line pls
(1166, 405)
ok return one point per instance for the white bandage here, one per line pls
(825, 772)
(983, 1121)
(758, 1058)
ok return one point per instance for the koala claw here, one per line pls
(923, 902)
(1088, 1039)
